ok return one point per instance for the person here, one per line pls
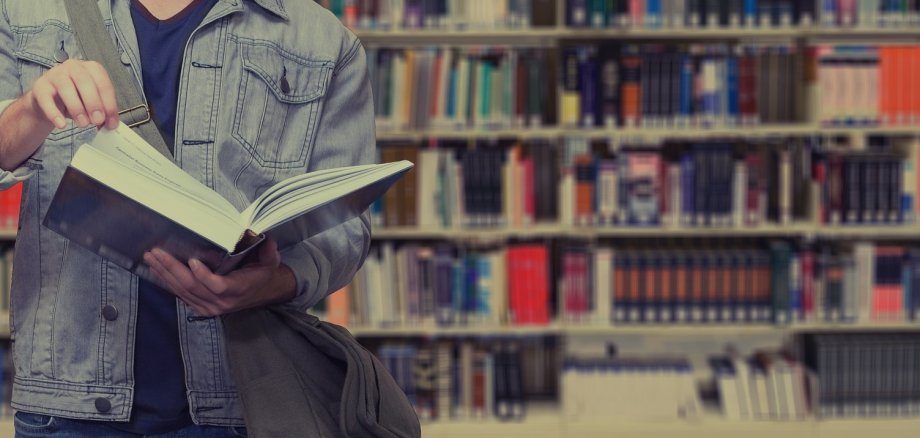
(247, 93)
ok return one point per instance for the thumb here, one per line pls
(268, 252)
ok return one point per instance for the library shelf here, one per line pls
(682, 330)
(528, 37)
(547, 422)
(550, 36)
(907, 231)
(649, 133)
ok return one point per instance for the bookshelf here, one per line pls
(805, 230)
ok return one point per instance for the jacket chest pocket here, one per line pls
(279, 104)
(40, 50)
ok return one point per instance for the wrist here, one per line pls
(283, 285)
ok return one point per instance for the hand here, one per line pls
(260, 282)
(78, 90)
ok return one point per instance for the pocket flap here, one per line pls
(291, 79)
(42, 46)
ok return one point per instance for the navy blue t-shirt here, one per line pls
(160, 401)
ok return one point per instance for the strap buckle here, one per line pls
(146, 116)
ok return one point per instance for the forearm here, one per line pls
(23, 128)
(328, 261)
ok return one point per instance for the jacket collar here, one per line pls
(273, 6)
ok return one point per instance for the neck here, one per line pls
(165, 9)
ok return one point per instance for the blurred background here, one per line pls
(640, 217)
(645, 217)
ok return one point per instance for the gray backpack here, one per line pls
(299, 376)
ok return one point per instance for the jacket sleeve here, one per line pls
(345, 137)
(10, 90)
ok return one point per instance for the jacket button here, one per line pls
(103, 405)
(110, 313)
(125, 59)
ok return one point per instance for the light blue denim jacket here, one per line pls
(238, 131)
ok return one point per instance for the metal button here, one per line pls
(103, 405)
(110, 313)
(125, 59)
(60, 55)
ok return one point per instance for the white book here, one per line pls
(603, 270)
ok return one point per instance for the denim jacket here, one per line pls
(239, 129)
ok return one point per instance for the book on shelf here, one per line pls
(120, 198)
(10, 200)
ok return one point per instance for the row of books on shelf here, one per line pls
(854, 375)
(607, 388)
(863, 375)
(672, 184)
(388, 15)
(645, 85)
(453, 88)
(748, 14)
(418, 285)
(705, 85)
(867, 85)
(469, 379)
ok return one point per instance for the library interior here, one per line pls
(651, 218)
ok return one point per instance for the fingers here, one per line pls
(106, 93)
(177, 278)
(79, 90)
(268, 253)
(215, 283)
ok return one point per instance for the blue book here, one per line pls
(796, 312)
(458, 289)
(587, 70)
(734, 113)
(451, 106)
(443, 285)
(653, 13)
(686, 87)
(828, 13)
(470, 283)
(912, 300)
(578, 13)
(750, 13)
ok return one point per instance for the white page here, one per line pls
(125, 146)
(145, 188)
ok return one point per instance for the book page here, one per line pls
(270, 198)
(127, 147)
(124, 162)
(297, 203)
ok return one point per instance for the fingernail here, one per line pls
(60, 123)
(98, 117)
(82, 121)
(194, 263)
(157, 252)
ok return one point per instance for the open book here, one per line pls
(120, 198)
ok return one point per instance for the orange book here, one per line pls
(696, 290)
(887, 85)
(666, 293)
(631, 91)
(584, 190)
(408, 87)
(619, 291)
(14, 202)
(651, 300)
(681, 292)
(337, 307)
(729, 293)
(887, 289)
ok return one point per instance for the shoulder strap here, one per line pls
(89, 28)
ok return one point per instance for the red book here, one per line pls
(529, 281)
(436, 85)
(808, 284)
(12, 200)
(755, 182)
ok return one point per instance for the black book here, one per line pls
(610, 86)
